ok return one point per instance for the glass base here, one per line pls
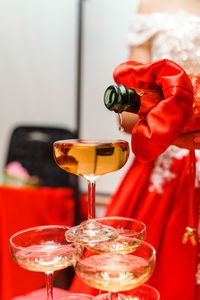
(91, 232)
(143, 292)
(108, 296)
(74, 296)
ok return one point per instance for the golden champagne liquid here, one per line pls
(47, 257)
(91, 158)
(114, 272)
(121, 244)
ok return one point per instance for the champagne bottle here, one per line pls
(119, 98)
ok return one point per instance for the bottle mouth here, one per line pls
(115, 98)
(110, 96)
(119, 98)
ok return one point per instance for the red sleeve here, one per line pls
(165, 121)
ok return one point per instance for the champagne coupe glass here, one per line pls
(43, 249)
(125, 227)
(116, 271)
(91, 159)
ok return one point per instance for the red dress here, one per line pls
(164, 210)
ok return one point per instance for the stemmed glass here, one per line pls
(118, 270)
(91, 159)
(43, 249)
(124, 227)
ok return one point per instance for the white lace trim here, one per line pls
(197, 181)
(161, 173)
(198, 274)
(168, 33)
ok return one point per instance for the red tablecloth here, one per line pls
(21, 208)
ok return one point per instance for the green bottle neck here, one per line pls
(119, 98)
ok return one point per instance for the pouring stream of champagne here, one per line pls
(121, 129)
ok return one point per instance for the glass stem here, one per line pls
(91, 199)
(49, 285)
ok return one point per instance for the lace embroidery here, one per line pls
(166, 32)
(198, 274)
(161, 172)
(197, 181)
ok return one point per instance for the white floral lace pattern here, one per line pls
(198, 274)
(197, 181)
(168, 34)
(161, 172)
